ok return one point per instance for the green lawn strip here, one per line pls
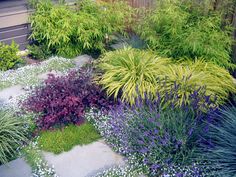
(58, 141)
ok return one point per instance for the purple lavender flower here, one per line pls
(159, 134)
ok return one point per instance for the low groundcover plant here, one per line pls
(65, 139)
(33, 156)
(28, 75)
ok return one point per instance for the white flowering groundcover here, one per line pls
(28, 75)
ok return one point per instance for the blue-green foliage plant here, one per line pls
(220, 151)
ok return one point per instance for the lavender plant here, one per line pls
(158, 135)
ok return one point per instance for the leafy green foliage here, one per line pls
(131, 72)
(12, 133)
(38, 52)
(222, 138)
(176, 30)
(86, 28)
(8, 56)
(58, 141)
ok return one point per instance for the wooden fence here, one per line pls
(141, 3)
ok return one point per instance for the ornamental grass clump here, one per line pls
(190, 75)
(222, 141)
(129, 72)
(13, 132)
(62, 100)
(157, 136)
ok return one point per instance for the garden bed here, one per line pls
(160, 104)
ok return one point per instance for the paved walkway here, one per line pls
(11, 93)
(83, 161)
(15, 168)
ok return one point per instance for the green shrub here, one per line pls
(38, 52)
(131, 72)
(177, 31)
(12, 134)
(68, 32)
(8, 56)
(58, 141)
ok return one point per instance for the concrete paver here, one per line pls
(85, 160)
(15, 168)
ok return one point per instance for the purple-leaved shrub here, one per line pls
(63, 100)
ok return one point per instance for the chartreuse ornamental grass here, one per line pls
(129, 72)
(190, 75)
(65, 139)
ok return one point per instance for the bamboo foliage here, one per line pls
(185, 32)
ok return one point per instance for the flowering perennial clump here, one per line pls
(157, 135)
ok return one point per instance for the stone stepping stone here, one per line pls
(120, 45)
(15, 168)
(11, 93)
(82, 161)
(82, 60)
(44, 76)
(78, 61)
